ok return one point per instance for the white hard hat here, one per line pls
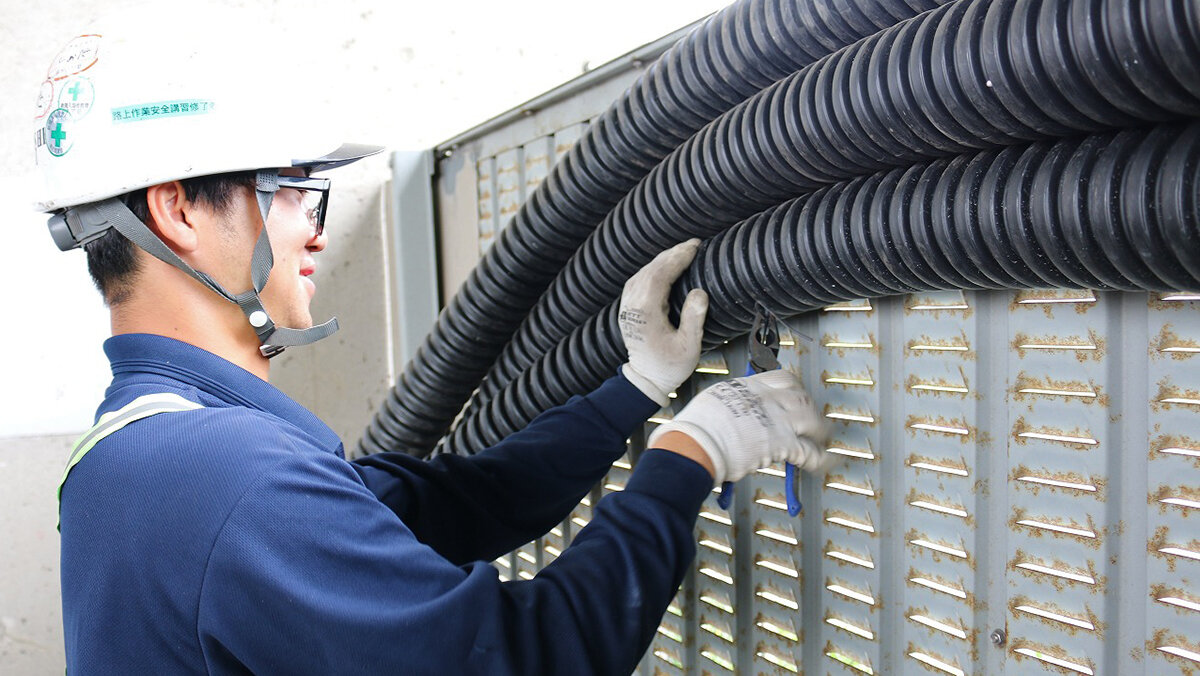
(135, 101)
(166, 92)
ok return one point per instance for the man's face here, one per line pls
(294, 244)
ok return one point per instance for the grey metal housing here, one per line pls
(1021, 470)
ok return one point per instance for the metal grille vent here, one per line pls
(1019, 492)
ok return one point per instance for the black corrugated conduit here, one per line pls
(968, 75)
(742, 49)
(1113, 211)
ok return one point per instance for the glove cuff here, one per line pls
(702, 438)
(645, 385)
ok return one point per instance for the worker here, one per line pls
(212, 525)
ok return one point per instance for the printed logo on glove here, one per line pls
(661, 356)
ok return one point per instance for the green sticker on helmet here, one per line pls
(77, 96)
(161, 109)
(57, 133)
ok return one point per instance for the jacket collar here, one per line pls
(138, 358)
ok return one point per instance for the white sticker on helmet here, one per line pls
(77, 96)
(45, 99)
(80, 54)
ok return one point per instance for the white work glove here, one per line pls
(748, 423)
(661, 357)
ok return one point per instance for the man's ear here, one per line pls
(171, 216)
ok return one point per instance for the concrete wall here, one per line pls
(396, 79)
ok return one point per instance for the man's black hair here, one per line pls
(112, 259)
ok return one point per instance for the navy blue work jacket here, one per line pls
(236, 538)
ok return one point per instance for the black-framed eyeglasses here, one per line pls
(314, 194)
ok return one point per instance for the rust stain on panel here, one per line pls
(861, 305)
(1058, 390)
(847, 658)
(1156, 301)
(1184, 492)
(830, 615)
(1171, 395)
(914, 648)
(844, 345)
(781, 560)
(1053, 651)
(1061, 477)
(1172, 441)
(1159, 591)
(1164, 638)
(1092, 541)
(955, 622)
(782, 529)
(849, 416)
(831, 547)
(1077, 438)
(982, 488)
(784, 622)
(1169, 344)
(1090, 347)
(1159, 541)
(1080, 300)
(959, 465)
(863, 521)
(971, 600)
(760, 494)
(915, 496)
(849, 451)
(958, 346)
(877, 602)
(938, 387)
(941, 426)
(1087, 616)
(858, 488)
(932, 306)
(849, 380)
(1059, 583)
(940, 557)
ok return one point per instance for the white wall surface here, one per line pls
(402, 74)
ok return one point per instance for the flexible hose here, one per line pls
(742, 49)
(972, 74)
(1112, 211)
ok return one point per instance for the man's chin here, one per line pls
(297, 320)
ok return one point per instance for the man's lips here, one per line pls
(305, 273)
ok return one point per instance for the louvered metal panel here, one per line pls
(1018, 494)
(939, 443)
(509, 194)
(506, 180)
(488, 222)
(1172, 535)
(1060, 443)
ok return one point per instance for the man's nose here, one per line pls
(317, 242)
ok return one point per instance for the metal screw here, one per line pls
(998, 638)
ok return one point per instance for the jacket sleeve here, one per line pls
(311, 574)
(470, 508)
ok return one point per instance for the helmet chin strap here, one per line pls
(274, 339)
